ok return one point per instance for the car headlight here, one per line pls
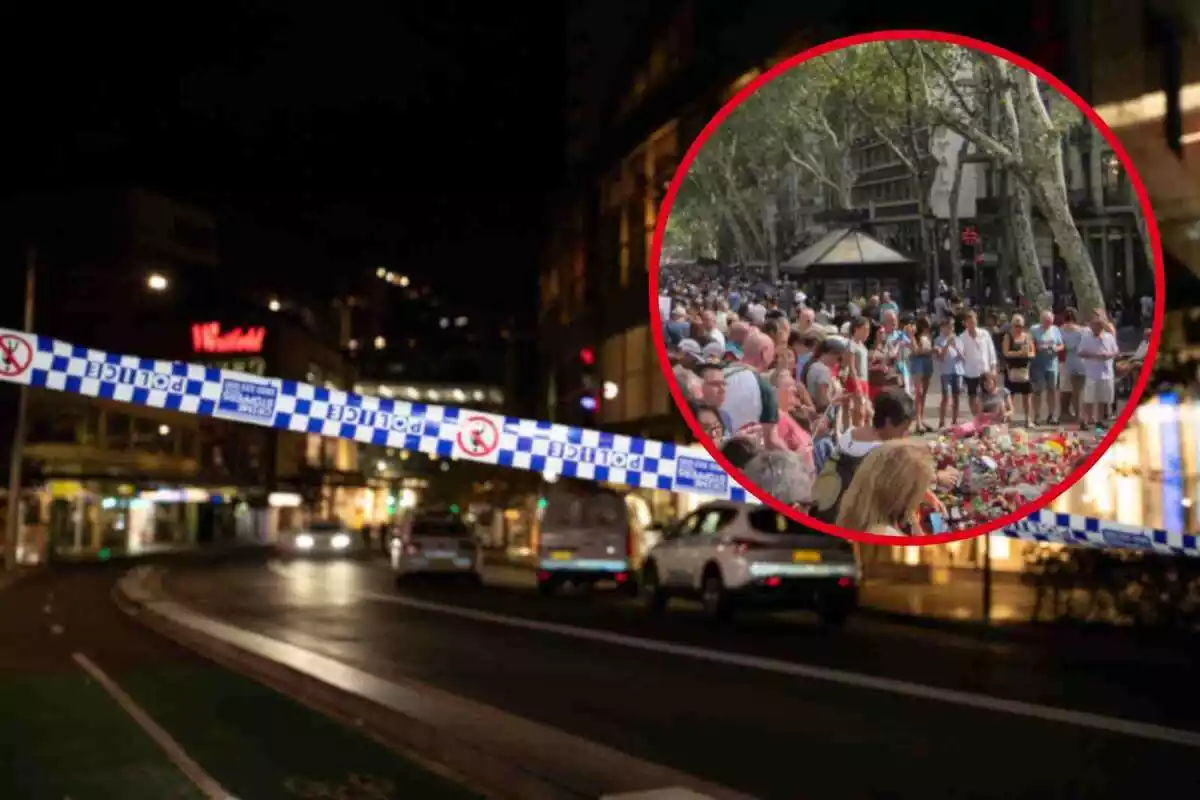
(304, 541)
(340, 542)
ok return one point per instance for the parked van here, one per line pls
(585, 537)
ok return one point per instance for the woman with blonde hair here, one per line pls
(889, 488)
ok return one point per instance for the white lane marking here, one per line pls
(1083, 719)
(207, 785)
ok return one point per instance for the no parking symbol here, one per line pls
(478, 437)
(16, 355)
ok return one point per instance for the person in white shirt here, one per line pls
(756, 312)
(978, 353)
(708, 323)
(1098, 348)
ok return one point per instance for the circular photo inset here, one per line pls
(906, 285)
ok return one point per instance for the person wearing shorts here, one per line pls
(1098, 348)
(857, 384)
(920, 366)
(948, 360)
(1048, 340)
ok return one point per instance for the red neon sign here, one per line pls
(207, 337)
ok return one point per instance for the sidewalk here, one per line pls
(961, 601)
(63, 647)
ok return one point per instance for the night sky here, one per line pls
(428, 131)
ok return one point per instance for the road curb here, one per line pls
(500, 754)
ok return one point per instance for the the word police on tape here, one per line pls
(43, 362)
(562, 450)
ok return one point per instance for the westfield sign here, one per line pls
(207, 337)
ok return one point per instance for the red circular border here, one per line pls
(964, 41)
(495, 433)
(22, 370)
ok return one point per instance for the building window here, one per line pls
(118, 431)
(636, 381)
(151, 436)
(55, 425)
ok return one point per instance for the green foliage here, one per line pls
(797, 132)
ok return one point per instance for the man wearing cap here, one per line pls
(690, 356)
(678, 328)
(738, 331)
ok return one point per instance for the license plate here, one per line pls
(806, 556)
(561, 555)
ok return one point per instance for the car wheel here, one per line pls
(654, 596)
(714, 596)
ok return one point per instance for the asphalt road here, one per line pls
(748, 705)
(210, 733)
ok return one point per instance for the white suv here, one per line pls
(735, 556)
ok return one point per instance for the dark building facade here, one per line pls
(142, 274)
(683, 61)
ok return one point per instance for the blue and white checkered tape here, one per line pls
(46, 363)
(562, 450)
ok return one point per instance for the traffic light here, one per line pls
(589, 391)
(970, 245)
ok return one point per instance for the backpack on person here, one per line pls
(832, 484)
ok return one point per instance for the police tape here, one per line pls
(446, 432)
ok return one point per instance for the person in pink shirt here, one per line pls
(791, 432)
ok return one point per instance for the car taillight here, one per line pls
(845, 583)
(774, 581)
(622, 577)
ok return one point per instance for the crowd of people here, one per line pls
(830, 409)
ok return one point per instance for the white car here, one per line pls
(734, 556)
(322, 538)
(436, 544)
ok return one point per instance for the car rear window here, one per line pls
(765, 520)
(439, 527)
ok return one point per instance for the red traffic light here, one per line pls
(588, 356)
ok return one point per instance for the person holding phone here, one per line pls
(890, 489)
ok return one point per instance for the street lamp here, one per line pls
(156, 282)
(379, 273)
(404, 281)
(611, 390)
(380, 343)
(273, 305)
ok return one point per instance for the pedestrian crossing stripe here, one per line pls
(526, 444)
